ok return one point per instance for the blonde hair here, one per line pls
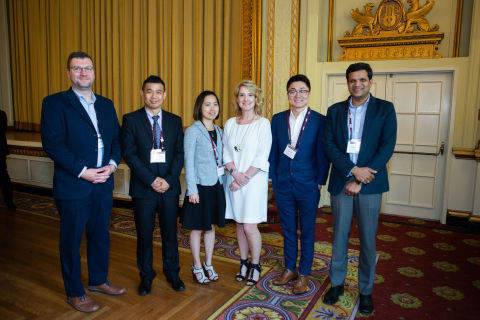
(252, 88)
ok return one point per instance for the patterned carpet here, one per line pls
(425, 270)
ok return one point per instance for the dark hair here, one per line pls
(153, 79)
(298, 77)
(197, 110)
(77, 55)
(360, 66)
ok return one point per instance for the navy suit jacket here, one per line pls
(310, 167)
(378, 142)
(136, 137)
(70, 139)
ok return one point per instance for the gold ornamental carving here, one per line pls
(392, 32)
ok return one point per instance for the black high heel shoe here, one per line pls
(254, 268)
(244, 269)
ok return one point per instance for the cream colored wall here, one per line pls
(466, 69)
(462, 181)
(6, 103)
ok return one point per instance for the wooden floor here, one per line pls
(31, 286)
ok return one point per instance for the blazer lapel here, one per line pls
(77, 106)
(343, 122)
(369, 115)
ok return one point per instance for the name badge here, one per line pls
(354, 145)
(290, 152)
(157, 156)
(221, 171)
(100, 142)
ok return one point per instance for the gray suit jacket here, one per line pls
(200, 166)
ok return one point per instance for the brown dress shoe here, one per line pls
(108, 288)
(286, 276)
(83, 304)
(301, 285)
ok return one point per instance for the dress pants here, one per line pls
(92, 215)
(367, 208)
(298, 203)
(145, 210)
(5, 183)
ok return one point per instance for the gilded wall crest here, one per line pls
(392, 32)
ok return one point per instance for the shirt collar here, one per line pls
(300, 115)
(150, 115)
(361, 106)
(80, 96)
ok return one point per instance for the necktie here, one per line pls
(156, 132)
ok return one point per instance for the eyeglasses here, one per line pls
(302, 92)
(78, 69)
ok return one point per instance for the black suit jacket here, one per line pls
(136, 138)
(3, 134)
(70, 139)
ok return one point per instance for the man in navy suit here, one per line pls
(359, 140)
(152, 141)
(298, 169)
(80, 132)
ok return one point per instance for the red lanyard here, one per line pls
(213, 144)
(301, 131)
(350, 124)
(153, 134)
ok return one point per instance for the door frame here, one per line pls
(453, 70)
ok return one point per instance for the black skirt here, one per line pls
(210, 209)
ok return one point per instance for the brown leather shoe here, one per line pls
(285, 277)
(83, 304)
(301, 285)
(108, 288)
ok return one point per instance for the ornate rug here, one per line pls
(263, 301)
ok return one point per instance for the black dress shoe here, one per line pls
(145, 287)
(332, 295)
(366, 304)
(177, 283)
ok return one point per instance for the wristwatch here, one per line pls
(231, 170)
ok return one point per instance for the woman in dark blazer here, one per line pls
(204, 204)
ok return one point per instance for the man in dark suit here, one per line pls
(80, 132)
(298, 169)
(359, 139)
(5, 182)
(152, 141)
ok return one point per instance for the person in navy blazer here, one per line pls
(204, 204)
(298, 169)
(359, 140)
(155, 164)
(80, 133)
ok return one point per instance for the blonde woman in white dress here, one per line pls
(248, 141)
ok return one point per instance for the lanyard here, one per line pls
(301, 130)
(213, 144)
(153, 134)
(350, 124)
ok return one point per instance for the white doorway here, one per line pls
(417, 168)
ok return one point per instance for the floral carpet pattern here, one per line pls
(425, 270)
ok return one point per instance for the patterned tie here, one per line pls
(156, 132)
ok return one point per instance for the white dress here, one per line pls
(248, 145)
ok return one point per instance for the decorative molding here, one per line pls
(391, 33)
(270, 59)
(27, 151)
(458, 213)
(330, 30)
(294, 36)
(458, 28)
(251, 39)
(467, 153)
